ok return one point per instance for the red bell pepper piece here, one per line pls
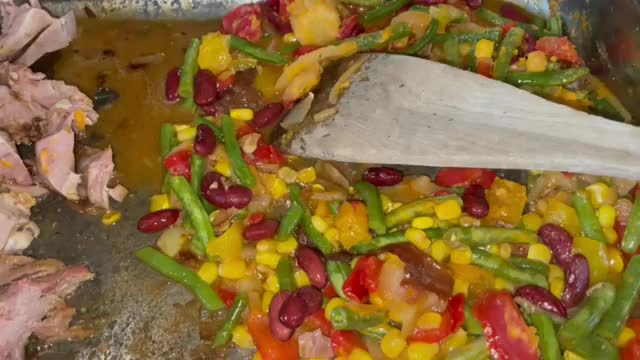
(452, 320)
(269, 347)
(225, 84)
(178, 163)
(267, 154)
(227, 296)
(304, 50)
(634, 324)
(329, 291)
(283, 10)
(350, 27)
(254, 219)
(484, 67)
(244, 22)
(561, 48)
(455, 307)
(343, 342)
(507, 334)
(317, 320)
(363, 279)
(243, 130)
(506, 28)
(631, 351)
(451, 177)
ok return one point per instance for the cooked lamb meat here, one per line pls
(12, 168)
(20, 25)
(16, 229)
(96, 167)
(56, 164)
(32, 302)
(57, 36)
(22, 120)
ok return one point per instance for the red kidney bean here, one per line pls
(312, 297)
(210, 109)
(238, 196)
(576, 281)
(267, 115)
(262, 230)
(293, 311)
(212, 181)
(205, 141)
(171, 85)
(542, 298)
(530, 42)
(158, 220)
(313, 265)
(204, 88)
(559, 242)
(475, 202)
(382, 176)
(278, 329)
(474, 4)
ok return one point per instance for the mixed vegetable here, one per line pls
(313, 259)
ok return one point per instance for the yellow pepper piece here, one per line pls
(278, 189)
(503, 284)
(214, 54)
(393, 343)
(272, 284)
(484, 48)
(532, 221)
(556, 286)
(241, 337)
(159, 202)
(319, 223)
(539, 252)
(461, 287)
(422, 222)
(228, 246)
(561, 214)
(233, 270)
(461, 255)
(418, 238)
(223, 167)
(208, 272)
(242, 114)
(506, 202)
(288, 246)
(440, 250)
(269, 259)
(352, 223)
(301, 279)
(429, 320)
(596, 254)
(448, 210)
(266, 301)
(422, 351)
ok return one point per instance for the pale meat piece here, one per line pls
(57, 36)
(96, 167)
(16, 228)
(20, 25)
(12, 168)
(32, 302)
(56, 163)
(22, 120)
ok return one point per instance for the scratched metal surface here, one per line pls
(138, 315)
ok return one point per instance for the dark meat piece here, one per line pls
(422, 271)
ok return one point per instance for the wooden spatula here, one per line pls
(407, 110)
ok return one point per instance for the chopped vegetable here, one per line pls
(510, 43)
(188, 71)
(240, 168)
(223, 336)
(193, 206)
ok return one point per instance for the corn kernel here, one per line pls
(532, 221)
(392, 344)
(111, 217)
(539, 252)
(223, 167)
(461, 287)
(332, 304)
(359, 354)
(287, 174)
(556, 286)
(626, 335)
(422, 351)
(387, 204)
(288, 246)
(610, 235)
(555, 272)
(234, 269)
(448, 210)
(307, 175)
(396, 205)
(266, 301)
(484, 48)
(242, 114)
(440, 250)
(454, 341)
(333, 235)
(241, 337)
(289, 38)
(607, 216)
(375, 299)
(503, 284)
(418, 238)
(319, 223)
(429, 320)
(159, 202)
(461, 255)
(351, 190)
(616, 263)
(266, 246)
(272, 284)
(536, 61)
(599, 193)
(208, 272)
(257, 356)
(269, 259)
(317, 188)
(422, 222)
(301, 279)
(186, 133)
(278, 188)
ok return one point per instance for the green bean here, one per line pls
(495, 19)
(338, 273)
(547, 78)
(470, 37)
(290, 221)
(167, 139)
(482, 236)
(387, 9)
(588, 220)
(631, 238)
(451, 49)
(193, 206)
(425, 40)
(315, 236)
(239, 166)
(435, 233)
(285, 274)
(189, 69)
(364, 3)
(595, 347)
(371, 197)
(528, 264)
(334, 206)
(379, 242)
(548, 343)
(422, 207)
(216, 130)
(377, 332)
(471, 324)
(256, 52)
(198, 168)
(502, 268)
(343, 318)
(182, 275)
(474, 350)
(289, 48)
(376, 40)
(188, 104)
(511, 42)
(589, 314)
(554, 25)
(626, 297)
(224, 334)
(604, 108)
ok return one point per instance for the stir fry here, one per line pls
(319, 260)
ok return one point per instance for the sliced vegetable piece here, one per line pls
(482, 236)
(233, 318)
(387, 9)
(509, 45)
(547, 78)
(371, 197)
(188, 71)
(631, 239)
(338, 274)
(239, 166)
(588, 219)
(502, 268)
(549, 347)
(193, 206)
(256, 52)
(452, 177)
